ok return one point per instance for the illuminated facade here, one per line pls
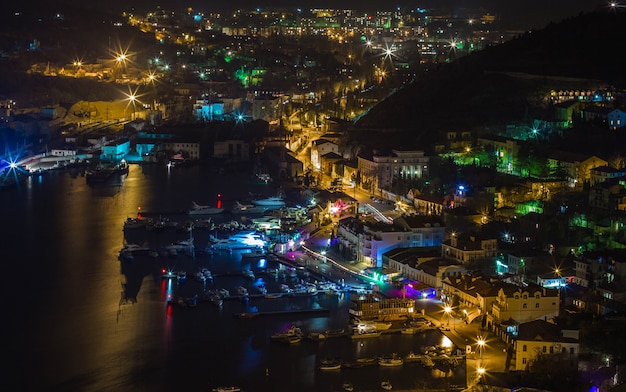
(379, 171)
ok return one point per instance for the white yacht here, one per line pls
(197, 209)
(239, 208)
(272, 201)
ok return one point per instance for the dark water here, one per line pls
(79, 319)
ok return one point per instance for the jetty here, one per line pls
(282, 312)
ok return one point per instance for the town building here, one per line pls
(319, 148)
(379, 171)
(368, 241)
(465, 249)
(267, 108)
(519, 304)
(232, 150)
(115, 151)
(376, 308)
(539, 337)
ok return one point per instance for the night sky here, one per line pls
(526, 13)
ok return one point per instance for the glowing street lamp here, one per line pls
(480, 372)
(133, 99)
(448, 311)
(481, 344)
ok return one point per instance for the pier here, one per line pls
(282, 312)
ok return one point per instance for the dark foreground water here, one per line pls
(79, 319)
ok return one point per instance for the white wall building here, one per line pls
(379, 171)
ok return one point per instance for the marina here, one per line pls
(160, 293)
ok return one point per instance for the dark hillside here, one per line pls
(507, 83)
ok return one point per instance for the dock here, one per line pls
(282, 312)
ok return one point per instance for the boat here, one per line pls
(335, 333)
(303, 291)
(412, 357)
(217, 300)
(362, 330)
(224, 293)
(360, 362)
(197, 209)
(291, 339)
(316, 336)
(128, 252)
(242, 291)
(181, 246)
(248, 274)
(200, 277)
(347, 386)
(427, 361)
(239, 208)
(293, 331)
(270, 202)
(247, 315)
(226, 389)
(206, 273)
(330, 364)
(230, 244)
(365, 335)
(102, 173)
(386, 385)
(134, 223)
(273, 295)
(390, 360)
(255, 253)
(378, 325)
(168, 274)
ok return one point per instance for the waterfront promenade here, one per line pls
(484, 352)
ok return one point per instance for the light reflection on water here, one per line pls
(97, 323)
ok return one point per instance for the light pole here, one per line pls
(448, 310)
(481, 344)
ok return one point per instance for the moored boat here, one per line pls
(390, 360)
(293, 331)
(271, 202)
(386, 385)
(239, 208)
(365, 335)
(197, 209)
(226, 389)
(378, 325)
(255, 253)
(330, 364)
(217, 300)
(412, 357)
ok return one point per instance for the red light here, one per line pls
(163, 270)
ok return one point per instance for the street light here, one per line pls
(480, 372)
(480, 343)
(448, 310)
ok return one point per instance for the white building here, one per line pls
(370, 240)
(319, 148)
(268, 108)
(378, 172)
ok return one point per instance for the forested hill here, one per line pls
(508, 82)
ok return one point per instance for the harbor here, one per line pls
(138, 288)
